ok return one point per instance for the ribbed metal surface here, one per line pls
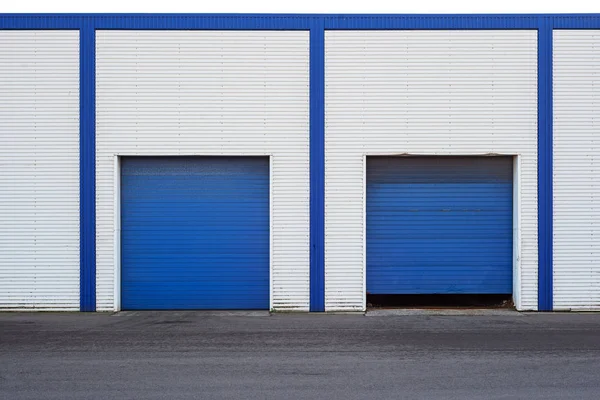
(423, 92)
(209, 93)
(439, 225)
(39, 170)
(576, 169)
(195, 233)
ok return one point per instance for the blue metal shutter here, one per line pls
(439, 225)
(195, 233)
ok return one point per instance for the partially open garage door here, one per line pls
(439, 225)
(195, 233)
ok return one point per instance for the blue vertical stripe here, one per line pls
(545, 165)
(87, 173)
(317, 167)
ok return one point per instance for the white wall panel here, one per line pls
(423, 92)
(209, 93)
(39, 170)
(576, 241)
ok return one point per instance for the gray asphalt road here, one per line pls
(197, 356)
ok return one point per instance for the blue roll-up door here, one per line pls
(195, 233)
(439, 225)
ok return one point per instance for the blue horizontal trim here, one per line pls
(155, 22)
(576, 22)
(298, 15)
(297, 21)
(432, 22)
(40, 22)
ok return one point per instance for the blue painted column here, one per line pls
(87, 167)
(545, 164)
(317, 165)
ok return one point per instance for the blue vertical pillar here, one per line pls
(545, 164)
(317, 166)
(87, 168)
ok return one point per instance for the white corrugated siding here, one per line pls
(576, 169)
(39, 170)
(423, 92)
(209, 93)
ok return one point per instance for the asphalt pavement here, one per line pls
(195, 355)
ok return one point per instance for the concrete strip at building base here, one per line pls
(184, 315)
(441, 312)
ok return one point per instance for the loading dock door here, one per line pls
(439, 225)
(195, 233)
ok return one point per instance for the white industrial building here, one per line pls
(298, 163)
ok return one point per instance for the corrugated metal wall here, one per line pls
(423, 92)
(576, 180)
(246, 92)
(209, 93)
(39, 170)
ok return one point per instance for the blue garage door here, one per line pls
(195, 233)
(439, 225)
